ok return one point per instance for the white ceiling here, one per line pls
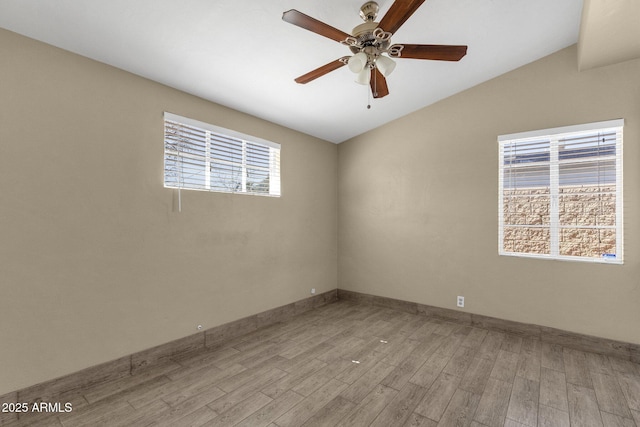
(239, 53)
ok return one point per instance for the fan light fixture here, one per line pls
(385, 65)
(357, 62)
(362, 66)
(364, 76)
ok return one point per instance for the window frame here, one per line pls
(274, 170)
(554, 135)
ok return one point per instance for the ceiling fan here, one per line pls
(370, 41)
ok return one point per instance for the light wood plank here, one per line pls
(230, 400)
(331, 413)
(505, 367)
(450, 344)
(240, 411)
(523, 405)
(609, 395)
(427, 373)
(417, 420)
(183, 405)
(201, 378)
(583, 406)
(491, 345)
(529, 366)
(356, 370)
(552, 417)
(438, 396)
(299, 414)
(624, 366)
(492, 408)
(402, 352)
(576, 368)
(96, 413)
(303, 359)
(424, 332)
(132, 418)
(194, 419)
(553, 389)
(511, 343)
(552, 357)
(446, 328)
(367, 410)
(399, 410)
(284, 384)
(611, 420)
(312, 383)
(474, 338)
(401, 374)
(599, 364)
(532, 346)
(459, 412)
(476, 377)
(342, 347)
(459, 363)
(271, 411)
(367, 382)
(630, 385)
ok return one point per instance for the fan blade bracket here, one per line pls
(436, 52)
(381, 36)
(395, 51)
(352, 42)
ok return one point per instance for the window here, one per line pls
(561, 193)
(200, 156)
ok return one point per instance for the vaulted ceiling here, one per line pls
(239, 53)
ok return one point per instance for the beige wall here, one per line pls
(418, 203)
(95, 261)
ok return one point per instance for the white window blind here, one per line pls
(200, 156)
(560, 193)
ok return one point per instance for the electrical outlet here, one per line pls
(313, 291)
(460, 301)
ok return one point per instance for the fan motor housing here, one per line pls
(364, 34)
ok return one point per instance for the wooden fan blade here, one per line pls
(378, 84)
(439, 52)
(308, 23)
(399, 12)
(319, 72)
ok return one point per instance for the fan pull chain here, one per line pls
(375, 88)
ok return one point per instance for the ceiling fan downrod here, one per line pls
(369, 11)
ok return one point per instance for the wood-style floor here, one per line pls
(354, 365)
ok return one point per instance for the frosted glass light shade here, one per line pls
(364, 76)
(385, 65)
(357, 62)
